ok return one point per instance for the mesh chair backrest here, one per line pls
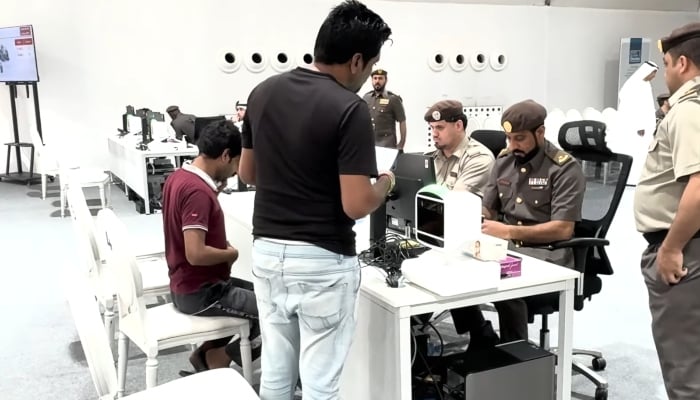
(606, 175)
(493, 140)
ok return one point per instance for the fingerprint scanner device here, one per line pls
(446, 221)
(516, 370)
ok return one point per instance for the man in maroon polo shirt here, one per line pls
(198, 254)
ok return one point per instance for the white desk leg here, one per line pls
(144, 183)
(566, 326)
(403, 327)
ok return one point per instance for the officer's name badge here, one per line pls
(538, 181)
(383, 101)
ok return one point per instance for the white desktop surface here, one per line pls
(379, 363)
(129, 163)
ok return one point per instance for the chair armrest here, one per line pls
(579, 243)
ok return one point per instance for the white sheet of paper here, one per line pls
(385, 157)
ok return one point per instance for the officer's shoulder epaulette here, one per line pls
(503, 153)
(560, 157)
(692, 93)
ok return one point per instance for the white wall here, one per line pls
(97, 56)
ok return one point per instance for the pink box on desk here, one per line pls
(510, 267)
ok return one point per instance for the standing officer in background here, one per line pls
(461, 163)
(667, 212)
(240, 113)
(183, 124)
(662, 101)
(385, 109)
(538, 189)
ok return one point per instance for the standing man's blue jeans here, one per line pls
(306, 301)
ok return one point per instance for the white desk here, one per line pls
(379, 364)
(130, 164)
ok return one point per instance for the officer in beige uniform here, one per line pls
(386, 109)
(461, 163)
(667, 212)
(538, 190)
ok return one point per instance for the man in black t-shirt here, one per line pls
(308, 147)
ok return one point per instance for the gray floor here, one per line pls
(41, 357)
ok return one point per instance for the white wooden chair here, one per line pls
(160, 327)
(93, 259)
(222, 383)
(47, 164)
(71, 174)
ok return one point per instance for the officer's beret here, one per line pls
(379, 71)
(524, 116)
(680, 35)
(447, 110)
(241, 104)
(172, 109)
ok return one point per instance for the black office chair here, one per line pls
(585, 140)
(494, 140)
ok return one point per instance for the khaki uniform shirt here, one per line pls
(385, 109)
(550, 187)
(183, 125)
(468, 168)
(673, 155)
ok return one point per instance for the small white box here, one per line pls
(487, 248)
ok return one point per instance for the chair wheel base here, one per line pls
(598, 364)
(601, 394)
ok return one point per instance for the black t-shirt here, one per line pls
(306, 129)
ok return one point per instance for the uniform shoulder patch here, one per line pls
(392, 94)
(503, 153)
(560, 157)
(692, 93)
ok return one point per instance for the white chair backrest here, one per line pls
(93, 337)
(46, 159)
(492, 123)
(127, 277)
(573, 115)
(90, 255)
(473, 124)
(555, 119)
(591, 114)
(610, 119)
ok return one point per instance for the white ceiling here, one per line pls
(652, 5)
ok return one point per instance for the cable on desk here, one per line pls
(388, 252)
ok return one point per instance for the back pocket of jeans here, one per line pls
(322, 307)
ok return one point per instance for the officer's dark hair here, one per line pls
(219, 136)
(690, 49)
(350, 28)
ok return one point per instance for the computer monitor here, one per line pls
(125, 120)
(201, 122)
(413, 171)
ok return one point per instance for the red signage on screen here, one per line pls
(23, 42)
(25, 30)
